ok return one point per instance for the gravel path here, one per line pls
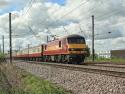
(77, 81)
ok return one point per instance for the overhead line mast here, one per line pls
(3, 43)
(93, 50)
(10, 37)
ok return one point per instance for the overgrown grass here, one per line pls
(26, 83)
(118, 60)
(37, 86)
(2, 58)
(2, 55)
(9, 80)
(113, 60)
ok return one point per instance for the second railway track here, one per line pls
(108, 65)
(114, 71)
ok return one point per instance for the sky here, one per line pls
(34, 20)
(61, 2)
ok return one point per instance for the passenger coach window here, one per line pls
(59, 43)
(38, 49)
(45, 47)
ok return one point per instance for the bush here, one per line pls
(2, 57)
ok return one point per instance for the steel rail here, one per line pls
(109, 66)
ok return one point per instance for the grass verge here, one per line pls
(25, 83)
(113, 60)
(37, 86)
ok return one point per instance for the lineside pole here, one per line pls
(0, 48)
(93, 51)
(3, 43)
(10, 37)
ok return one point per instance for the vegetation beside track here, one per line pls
(101, 59)
(16, 81)
(2, 57)
(113, 60)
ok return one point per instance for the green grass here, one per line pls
(35, 85)
(2, 58)
(117, 60)
(26, 83)
(114, 60)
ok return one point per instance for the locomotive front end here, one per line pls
(77, 48)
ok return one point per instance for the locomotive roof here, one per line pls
(74, 35)
(69, 36)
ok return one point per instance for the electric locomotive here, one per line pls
(71, 49)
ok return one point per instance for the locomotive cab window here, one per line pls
(60, 44)
(76, 40)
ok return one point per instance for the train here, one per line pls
(71, 49)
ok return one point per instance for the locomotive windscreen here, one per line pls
(76, 40)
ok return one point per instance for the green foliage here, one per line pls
(35, 85)
(102, 59)
(2, 55)
(114, 59)
(90, 57)
(25, 82)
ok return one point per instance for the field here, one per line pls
(16, 81)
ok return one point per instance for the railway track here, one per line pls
(108, 65)
(115, 71)
(103, 63)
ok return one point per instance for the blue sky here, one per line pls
(15, 6)
(12, 6)
(61, 2)
(9, 9)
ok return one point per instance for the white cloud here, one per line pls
(109, 17)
